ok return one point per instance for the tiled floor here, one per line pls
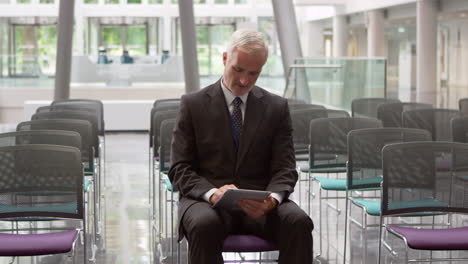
(127, 231)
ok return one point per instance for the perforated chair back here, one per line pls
(93, 106)
(167, 126)
(460, 129)
(45, 108)
(463, 105)
(436, 121)
(166, 104)
(365, 153)
(390, 113)
(423, 177)
(292, 101)
(158, 118)
(154, 130)
(48, 137)
(41, 181)
(82, 127)
(78, 115)
(300, 106)
(301, 120)
(367, 107)
(329, 136)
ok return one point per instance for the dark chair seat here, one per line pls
(247, 243)
(433, 239)
(37, 244)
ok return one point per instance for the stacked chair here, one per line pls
(364, 171)
(41, 182)
(390, 113)
(162, 196)
(415, 183)
(75, 123)
(328, 136)
(367, 107)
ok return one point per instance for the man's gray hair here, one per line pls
(248, 41)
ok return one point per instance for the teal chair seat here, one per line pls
(61, 208)
(372, 207)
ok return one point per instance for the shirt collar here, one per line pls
(230, 97)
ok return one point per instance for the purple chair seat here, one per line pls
(434, 239)
(37, 244)
(247, 243)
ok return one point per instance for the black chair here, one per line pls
(435, 120)
(390, 113)
(415, 184)
(460, 129)
(41, 181)
(367, 107)
(328, 136)
(364, 170)
(89, 105)
(45, 108)
(463, 105)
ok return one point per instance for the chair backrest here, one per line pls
(75, 114)
(301, 120)
(300, 106)
(329, 135)
(424, 177)
(48, 137)
(436, 121)
(460, 129)
(292, 101)
(45, 108)
(167, 126)
(82, 127)
(158, 118)
(41, 181)
(161, 106)
(93, 106)
(364, 167)
(167, 103)
(390, 113)
(463, 105)
(367, 107)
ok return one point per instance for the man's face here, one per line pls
(241, 70)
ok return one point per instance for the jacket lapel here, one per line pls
(254, 111)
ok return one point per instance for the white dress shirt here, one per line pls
(229, 99)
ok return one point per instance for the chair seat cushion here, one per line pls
(433, 239)
(247, 243)
(372, 207)
(331, 184)
(37, 244)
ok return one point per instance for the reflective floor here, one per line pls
(126, 237)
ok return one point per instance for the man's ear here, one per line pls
(224, 58)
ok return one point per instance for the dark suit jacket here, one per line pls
(204, 155)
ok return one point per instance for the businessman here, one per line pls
(233, 134)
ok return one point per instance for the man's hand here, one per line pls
(215, 196)
(258, 208)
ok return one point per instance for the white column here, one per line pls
(189, 46)
(340, 36)
(314, 40)
(426, 50)
(166, 34)
(288, 33)
(79, 28)
(64, 49)
(375, 33)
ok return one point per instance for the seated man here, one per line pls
(233, 134)
(125, 58)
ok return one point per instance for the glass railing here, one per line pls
(335, 82)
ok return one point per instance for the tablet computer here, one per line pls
(232, 196)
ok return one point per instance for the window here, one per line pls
(133, 1)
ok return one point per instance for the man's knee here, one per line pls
(301, 222)
(204, 224)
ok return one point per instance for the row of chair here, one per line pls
(354, 146)
(61, 141)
